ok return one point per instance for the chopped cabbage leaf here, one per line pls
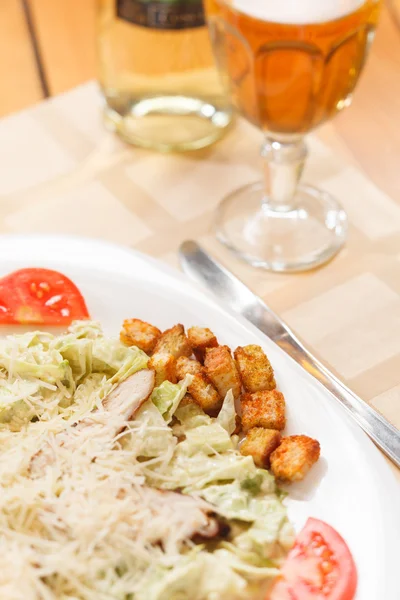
(235, 503)
(152, 437)
(167, 396)
(210, 439)
(117, 360)
(78, 353)
(227, 415)
(192, 416)
(58, 366)
(203, 575)
(86, 329)
(17, 399)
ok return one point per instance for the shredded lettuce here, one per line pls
(61, 368)
(172, 584)
(202, 575)
(86, 329)
(26, 367)
(234, 502)
(264, 512)
(227, 415)
(209, 439)
(167, 396)
(152, 436)
(112, 357)
(14, 399)
(78, 353)
(263, 535)
(192, 416)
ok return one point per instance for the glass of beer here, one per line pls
(288, 66)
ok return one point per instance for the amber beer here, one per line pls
(290, 65)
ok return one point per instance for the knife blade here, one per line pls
(204, 269)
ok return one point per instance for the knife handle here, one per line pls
(385, 435)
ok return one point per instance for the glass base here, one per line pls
(297, 239)
(167, 123)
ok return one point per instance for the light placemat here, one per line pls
(62, 172)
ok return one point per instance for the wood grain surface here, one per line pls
(20, 83)
(65, 31)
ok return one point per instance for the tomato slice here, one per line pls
(319, 567)
(40, 296)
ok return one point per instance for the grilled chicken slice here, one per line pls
(120, 406)
(126, 399)
(178, 518)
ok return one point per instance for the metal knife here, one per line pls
(201, 267)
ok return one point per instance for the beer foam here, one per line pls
(297, 12)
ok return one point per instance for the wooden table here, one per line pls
(46, 48)
(60, 171)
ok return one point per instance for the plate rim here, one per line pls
(378, 463)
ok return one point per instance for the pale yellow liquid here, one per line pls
(162, 88)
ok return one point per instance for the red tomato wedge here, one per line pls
(319, 567)
(40, 296)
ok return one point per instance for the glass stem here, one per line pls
(283, 167)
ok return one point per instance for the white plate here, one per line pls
(352, 488)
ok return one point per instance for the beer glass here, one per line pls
(288, 66)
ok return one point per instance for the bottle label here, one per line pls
(162, 14)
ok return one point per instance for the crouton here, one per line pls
(221, 370)
(173, 341)
(205, 394)
(201, 388)
(139, 333)
(260, 443)
(187, 366)
(165, 367)
(263, 409)
(255, 369)
(295, 456)
(201, 338)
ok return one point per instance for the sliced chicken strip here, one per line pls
(126, 399)
(120, 406)
(172, 519)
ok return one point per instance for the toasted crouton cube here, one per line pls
(255, 369)
(173, 341)
(260, 443)
(139, 333)
(201, 389)
(263, 409)
(187, 366)
(165, 367)
(205, 394)
(295, 456)
(201, 338)
(221, 369)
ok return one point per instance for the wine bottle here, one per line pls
(157, 74)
